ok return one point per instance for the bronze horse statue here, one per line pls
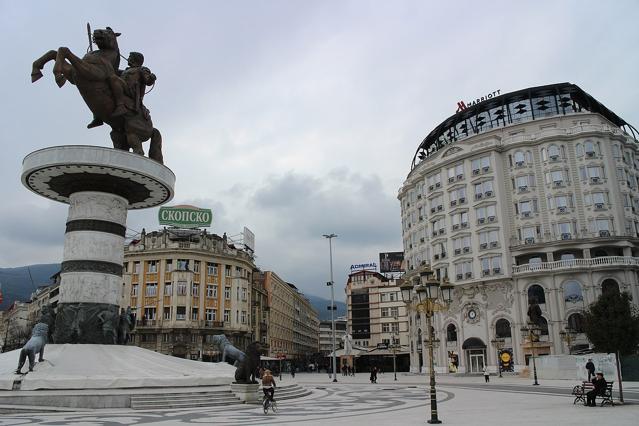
(93, 75)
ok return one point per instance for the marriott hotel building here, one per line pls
(530, 196)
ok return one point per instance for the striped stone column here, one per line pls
(91, 273)
(100, 185)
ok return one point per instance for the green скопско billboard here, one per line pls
(185, 217)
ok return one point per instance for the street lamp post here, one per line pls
(498, 343)
(332, 307)
(394, 346)
(531, 330)
(428, 292)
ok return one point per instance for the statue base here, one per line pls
(100, 185)
(248, 393)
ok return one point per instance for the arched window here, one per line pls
(572, 292)
(553, 152)
(580, 150)
(536, 294)
(544, 154)
(589, 147)
(451, 333)
(543, 325)
(519, 158)
(502, 328)
(576, 322)
(419, 339)
(610, 286)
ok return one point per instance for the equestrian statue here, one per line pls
(114, 96)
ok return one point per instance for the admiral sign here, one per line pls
(185, 217)
(363, 266)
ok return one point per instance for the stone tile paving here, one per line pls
(354, 401)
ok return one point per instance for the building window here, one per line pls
(244, 294)
(211, 314)
(451, 333)
(167, 314)
(464, 270)
(460, 220)
(386, 327)
(243, 317)
(227, 271)
(149, 314)
(196, 266)
(195, 290)
(180, 313)
(576, 322)
(572, 292)
(211, 268)
(394, 311)
(486, 214)
(134, 290)
(211, 291)
(490, 265)
(183, 264)
(484, 189)
(384, 312)
(181, 288)
(481, 164)
(502, 328)
(136, 267)
(169, 265)
(227, 315)
(194, 314)
(536, 295)
(168, 289)
(488, 239)
(151, 289)
(166, 337)
(227, 293)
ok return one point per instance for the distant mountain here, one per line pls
(321, 306)
(18, 285)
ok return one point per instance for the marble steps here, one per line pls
(206, 399)
(183, 400)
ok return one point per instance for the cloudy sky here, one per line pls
(295, 118)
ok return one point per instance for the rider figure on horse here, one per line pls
(129, 83)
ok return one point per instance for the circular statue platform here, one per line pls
(59, 171)
(72, 366)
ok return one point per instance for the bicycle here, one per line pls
(267, 403)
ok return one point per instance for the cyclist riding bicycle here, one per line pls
(268, 385)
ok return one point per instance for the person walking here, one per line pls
(486, 375)
(599, 389)
(590, 366)
(373, 374)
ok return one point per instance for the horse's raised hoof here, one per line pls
(60, 79)
(35, 76)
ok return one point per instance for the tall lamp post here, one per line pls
(394, 346)
(498, 343)
(430, 297)
(532, 331)
(332, 307)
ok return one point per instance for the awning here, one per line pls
(268, 358)
(473, 343)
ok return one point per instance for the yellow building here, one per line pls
(184, 287)
(293, 324)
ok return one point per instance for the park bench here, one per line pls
(581, 390)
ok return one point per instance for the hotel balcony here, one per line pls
(575, 264)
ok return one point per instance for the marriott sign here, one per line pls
(461, 105)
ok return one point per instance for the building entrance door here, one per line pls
(476, 361)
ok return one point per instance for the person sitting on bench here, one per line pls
(599, 384)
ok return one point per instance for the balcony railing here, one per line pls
(576, 264)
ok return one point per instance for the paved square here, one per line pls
(354, 401)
